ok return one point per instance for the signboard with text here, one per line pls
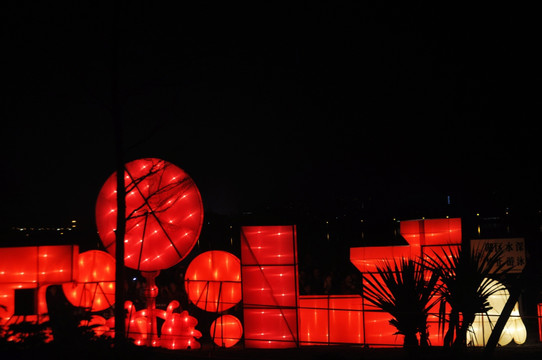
(513, 251)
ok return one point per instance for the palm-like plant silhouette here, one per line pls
(466, 284)
(405, 291)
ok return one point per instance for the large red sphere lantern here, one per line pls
(95, 285)
(213, 280)
(164, 214)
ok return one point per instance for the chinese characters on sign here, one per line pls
(513, 251)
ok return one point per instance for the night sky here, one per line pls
(321, 107)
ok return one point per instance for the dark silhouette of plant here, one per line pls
(405, 291)
(26, 334)
(467, 282)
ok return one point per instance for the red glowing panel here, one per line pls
(34, 267)
(378, 330)
(366, 259)
(345, 319)
(335, 319)
(270, 245)
(412, 231)
(434, 252)
(313, 320)
(95, 286)
(432, 231)
(213, 281)
(275, 286)
(269, 272)
(38, 264)
(540, 321)
(270, 328)
(442, 231)
(421, 235)
(226, 331)
(436, 335)
(164, 214)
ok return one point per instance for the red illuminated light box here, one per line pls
(330, 319)
(429, 236)
(34, 267)
(270, 292)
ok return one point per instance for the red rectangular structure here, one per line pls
(366, 259)
(34, 267)
(269, 283)
(432, 231)
(330, 319)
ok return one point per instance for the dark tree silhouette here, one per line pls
(467, 282)
(406, 291)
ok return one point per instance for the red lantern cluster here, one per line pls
(213, 283)
(179, 329)
(164, 217)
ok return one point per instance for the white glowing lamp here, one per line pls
(483, 324)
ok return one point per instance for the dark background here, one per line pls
(370, 108)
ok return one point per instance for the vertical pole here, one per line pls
(120, 326)
(151, 292)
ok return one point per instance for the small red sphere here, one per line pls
(226, 331)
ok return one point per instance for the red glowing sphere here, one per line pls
(164, 214)
(213, 280)
(226, 331)
(95, 285)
